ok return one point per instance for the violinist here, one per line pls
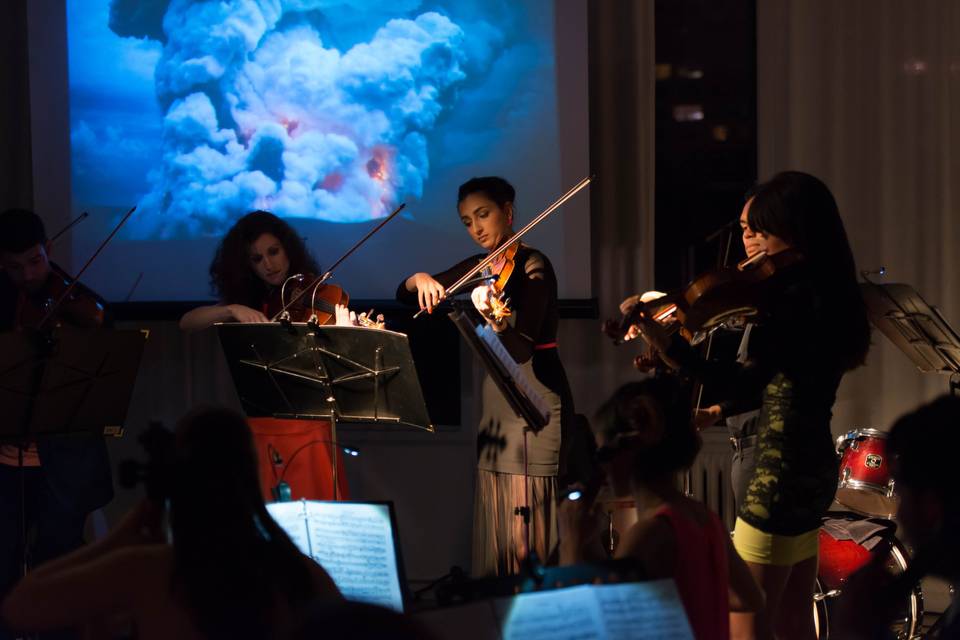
(815, 328)
(526, 278)
(65, 478)
(741, 412)
(254, 260)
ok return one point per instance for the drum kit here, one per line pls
(865, 487)
(866, 490)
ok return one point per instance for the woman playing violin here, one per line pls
(815, 328)
(254, 260)
(252, 263)
(526, 280)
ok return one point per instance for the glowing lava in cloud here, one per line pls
(261, 112)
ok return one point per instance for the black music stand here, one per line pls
(517, 392)
(342, 374)
(468, 324)
(919, 330)
(63, 382)
(67, 381)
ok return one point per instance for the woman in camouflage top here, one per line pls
(814, 330)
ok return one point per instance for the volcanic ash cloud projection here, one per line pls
(260, 113)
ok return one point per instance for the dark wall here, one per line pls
(16, 181)
(706, 65)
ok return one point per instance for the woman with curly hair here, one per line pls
(258, 253)
(253, 260)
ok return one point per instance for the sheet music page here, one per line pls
(622, 611)
(643, 610)
(292, 518)
(561, 614)
(354, 543)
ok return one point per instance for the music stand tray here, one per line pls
(345, 374)
(75, 381)
(919, 330)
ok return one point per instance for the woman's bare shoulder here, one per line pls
(147, 562)
(652, 542)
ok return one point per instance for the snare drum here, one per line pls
(866, 485)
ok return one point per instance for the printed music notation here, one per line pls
(634, 610)
(521, 374)
(352, 541)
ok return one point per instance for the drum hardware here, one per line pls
(833, 593)
(865, 483)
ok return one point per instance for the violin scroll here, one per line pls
(368, 320)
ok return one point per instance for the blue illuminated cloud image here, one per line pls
(330, 110)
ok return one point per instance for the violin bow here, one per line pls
(70, 225)
(329, 272)
(466, 278)
(76, 279)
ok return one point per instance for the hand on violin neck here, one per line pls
(652, 333)
(641, 298)
(491, 305)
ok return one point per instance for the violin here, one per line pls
(318, 305)
(80, 307)
(713, 299)
(500, 307)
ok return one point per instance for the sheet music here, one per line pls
(291, 516)
(601, 612)
(520, 379)
(353, 542)
(643, 610)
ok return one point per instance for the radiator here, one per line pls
(709, 478)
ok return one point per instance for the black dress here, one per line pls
(790, 366)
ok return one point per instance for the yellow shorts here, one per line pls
(760, 547)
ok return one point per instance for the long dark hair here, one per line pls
(232, 562)
(233, 280)
(652, 419)
(800, 209)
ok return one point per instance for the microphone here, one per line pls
(282, 492)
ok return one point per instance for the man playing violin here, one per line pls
(65, 478)
(511, 458)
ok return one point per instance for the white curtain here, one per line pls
(865, 94)
(622, 198)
